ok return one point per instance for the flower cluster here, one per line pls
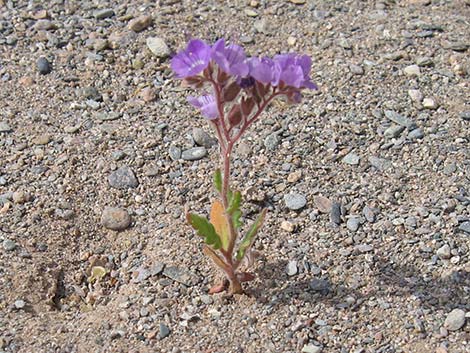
(242, 88)
(289, 72)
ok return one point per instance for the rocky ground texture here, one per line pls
(367, 244)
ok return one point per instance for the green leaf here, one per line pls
(234, 202)
(249, 238)
(236, 219)
(218, 180)
(205, 229)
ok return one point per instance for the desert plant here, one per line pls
(241, 89)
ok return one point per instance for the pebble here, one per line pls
(400, 119)
(356, 69)
(444, 252)
(292, 268)
(298, 2)
(310, 348)
(20, 304)
(380, 163)
(271, 142)
(416, 134)
(44, 25)
(262, 26)
(323, 203)
(148, 94)
(465, 227)
(103, 13)
(115, 218)
(194, 154)
(174, 152)
(335, 213)
(295, 201)
(202, 138)
(140, 23)
(288, 226)
(158, 47)
(4, 127)
(353, 223)
(412, 70)
(178, 275)
(369, 214)
(430, 103)
(123, 178)
(8, 245)
(251, 13)
(351, 158)
(455, 320)
(320, 285)
(394, 131)
(415, 95)
(465, 115)
(364, 248)
(163, 331)
(43, 65)
(20, 197)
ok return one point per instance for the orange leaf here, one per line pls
(219, 221)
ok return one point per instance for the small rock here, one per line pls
(19, 304)
(194, 154)
(412, 70)
(416, 134)
(444, 252)
(250, 13)
(43, 139)
(465, 227)
(465, 115)
(323, 203)
(356, 69)
(158, 47)
(115, 218)
(44, 25)
(140, 23)
(174, 152)
(262, 26)
(429, 103)
(363, 248)
(292, 268)
(288, 226)
(123, 178)
(148, 94)
(202, 138)
(179, 275)
(271, 142)
(295, 201)
(298, 2)
(8, 245)
(4, 127)
(353, 223)
(368, 214)
(394, 131)
(455, 320)
(450, 168)
(294, 176)
(424, 61)
(20, 197)
(320, 285)
(43, 65)
(351, 158)
(310, 348)
(163, 331)
(103, 13)
(415, 95)
(335, 213)
(399, 119)
(380, 163)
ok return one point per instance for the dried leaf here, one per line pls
(249, 238)
(205, 229)
(245, 276)
(219, 221)
(231, 91)
(216, 258)
(97, 273)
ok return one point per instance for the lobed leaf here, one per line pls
(205, 229)
(249, 238)
(219, 221)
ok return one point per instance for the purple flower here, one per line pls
(192, 60)
(294, 70)
(207, 104)
(231, 59)
(264, 70)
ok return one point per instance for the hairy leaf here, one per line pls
(235, 115)
(247, 106)
(216, 258)
(231, 91)
(249, 238)
(205, 229)
(218, 180)
(219, 221)
(236, 215)
(235, 199)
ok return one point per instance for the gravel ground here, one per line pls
(367, 243)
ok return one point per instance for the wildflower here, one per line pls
(264, 70)
(294, 70)
(191, 61)
(206, 104)
(231, 59)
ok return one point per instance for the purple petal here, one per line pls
(192, 60)
(231, 59)
(206, 104)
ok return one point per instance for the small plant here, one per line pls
(241, 89)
